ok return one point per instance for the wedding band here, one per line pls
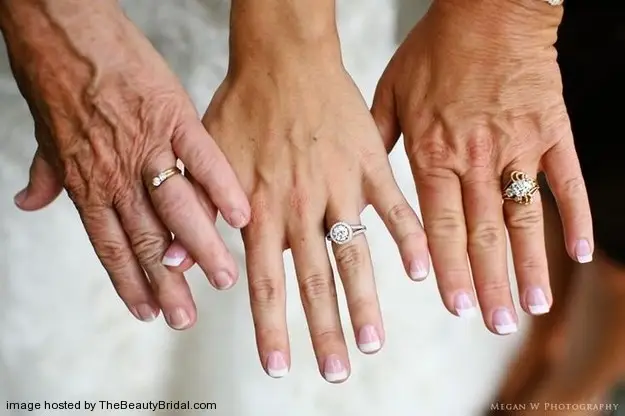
(520, 188)
(159, 179)
(342, 232)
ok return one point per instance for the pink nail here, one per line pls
(223, 280)
(464, 305)
(276, 365)
(175, 255)
(368, 340)
(179, 319)
(537, 301)
(237, 219)
(334, 371)
(145, 313)
(20, 197)
(583, 251)
(504, 322)
(418, 270)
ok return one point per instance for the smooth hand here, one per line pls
(476, 91)
(109, 117)
(308, 154)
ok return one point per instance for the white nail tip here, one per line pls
(419, 275)
(172, 261)
(538, 309)
(274, 373)
(336, 377)
(506, 329)
(584, 259)
(370, 347)
(466, 313)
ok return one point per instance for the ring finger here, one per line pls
(527, 240)
(353, 261)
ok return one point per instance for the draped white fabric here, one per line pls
(65, 336)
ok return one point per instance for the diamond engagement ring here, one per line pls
(343, 233)
(159, 179)
(521, 188)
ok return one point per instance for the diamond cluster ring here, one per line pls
(521, 188)
(342, 232)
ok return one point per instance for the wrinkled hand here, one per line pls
(109, 116)
(308, 154)
(476, 91)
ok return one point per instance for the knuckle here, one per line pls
(486, 236)
(494, 288)
(300, 203)
(264, 290)
(150, 246)
(525, 220)
(479, 150)
(573, 186)
(114, 254)
(316, 285)
(430, 153)
(400, 214)
(326, 336)
(449, 225)
(349, 257)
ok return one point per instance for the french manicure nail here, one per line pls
(418, 271)
(145, 313)
(536, 301)
(223, 280)
(464, 305)
(237, 219)
(504, 322)
(179, 319)
(174, 256)
(583, 251)
(276, 365)
(334, 371)
(368, 339)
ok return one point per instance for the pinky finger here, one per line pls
(565, 179)
(115, 253)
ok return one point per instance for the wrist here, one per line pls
(528, 18)
(280, 30)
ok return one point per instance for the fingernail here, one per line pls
(537, 301)
(368, 340)
(179, 319)
(418, 271)
(334, 371)
(174, 256)
(464, 306)
(223, 280)
(20, 197)
(504, 322)
(237, 219)
(583, 251)
(276, 365)
(144, 313)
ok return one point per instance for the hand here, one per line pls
(109, 116)
(308, 154)
(476, 91)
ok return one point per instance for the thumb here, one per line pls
(43, 186)
(384, 113)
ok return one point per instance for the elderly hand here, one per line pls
(303, 143)
(110, 116)
(476, 91)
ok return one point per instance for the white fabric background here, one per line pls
(64, 335)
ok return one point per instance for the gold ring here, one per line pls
(159, 179)
(520, 188)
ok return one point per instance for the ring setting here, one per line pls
(159, 179)
(521, 188)
(342, 233)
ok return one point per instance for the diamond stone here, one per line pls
(340, 233)
(157, 181)
(519, 188)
